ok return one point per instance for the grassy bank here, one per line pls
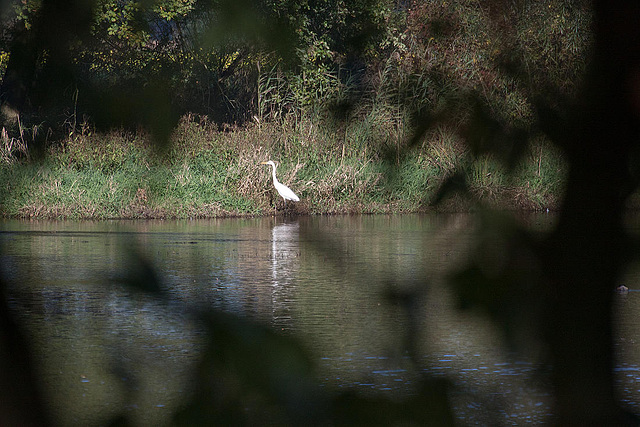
(211, 172)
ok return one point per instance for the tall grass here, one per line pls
(212, 172)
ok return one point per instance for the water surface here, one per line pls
(104, 348)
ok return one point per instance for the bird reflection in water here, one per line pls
(284, 265)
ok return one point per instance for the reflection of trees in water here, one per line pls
(105, 349)
(285, 252)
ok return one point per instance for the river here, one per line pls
(104, 348)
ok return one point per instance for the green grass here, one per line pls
(212, 173)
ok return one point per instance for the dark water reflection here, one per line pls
(104, 348)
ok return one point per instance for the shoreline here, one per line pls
(211, 173)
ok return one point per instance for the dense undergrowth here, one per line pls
(212, 172)
(372, 107)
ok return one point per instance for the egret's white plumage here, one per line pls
(283, 190)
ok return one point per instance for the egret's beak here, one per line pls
(263, 163)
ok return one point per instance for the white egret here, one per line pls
(283, 190)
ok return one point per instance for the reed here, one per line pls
(211, 172)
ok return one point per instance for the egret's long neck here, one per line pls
(273, 170)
